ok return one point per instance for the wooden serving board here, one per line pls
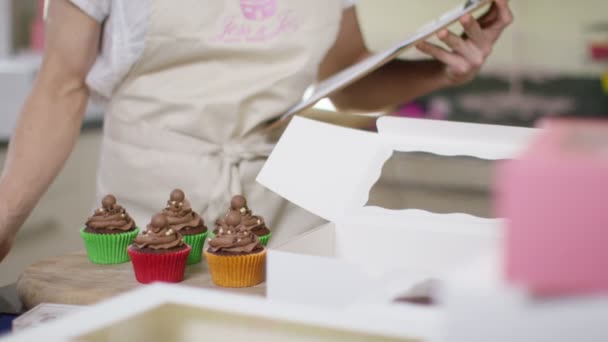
(73, 279)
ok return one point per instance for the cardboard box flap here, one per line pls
(320, 167)
(455, 223)
(450, 138)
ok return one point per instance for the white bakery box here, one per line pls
(162, 312)
(366, 256)
(479, 307)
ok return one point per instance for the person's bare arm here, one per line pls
(396, 82)
(50, 121)
(401, 81)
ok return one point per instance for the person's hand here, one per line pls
(469, 52)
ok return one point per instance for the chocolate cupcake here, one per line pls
(188, 223)
(159, 253)
(254, 223)
(236, 256)
(108, 232)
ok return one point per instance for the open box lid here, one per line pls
(329, 170)
(171, 312)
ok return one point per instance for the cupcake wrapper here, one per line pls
(166, 267)
(263, 239)
(195, 241)
(237, 270)
(108, 248)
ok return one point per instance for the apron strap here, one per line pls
(229, 155)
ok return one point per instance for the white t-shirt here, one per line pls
(125, 28)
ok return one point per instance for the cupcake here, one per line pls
(236, 257)
(159, 253)
(254, 223)
(188, 223)
(108, 232)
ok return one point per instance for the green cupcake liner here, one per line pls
(195, 241)
(263, 239)
(108, 249)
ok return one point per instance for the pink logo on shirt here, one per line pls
(259, 21)
(258, 10)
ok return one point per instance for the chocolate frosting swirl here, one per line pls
(158, 235)
(179, 212)
(236, 239)
(110, 217)
(253, 223)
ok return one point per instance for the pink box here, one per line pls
(555, 201)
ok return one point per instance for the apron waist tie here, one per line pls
(229, 155)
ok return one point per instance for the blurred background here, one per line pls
(552, 62)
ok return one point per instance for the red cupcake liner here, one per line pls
(165, 267)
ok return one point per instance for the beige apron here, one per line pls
(189, 113)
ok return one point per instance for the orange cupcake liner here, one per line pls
(237, 270)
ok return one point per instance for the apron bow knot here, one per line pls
(231, 154)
